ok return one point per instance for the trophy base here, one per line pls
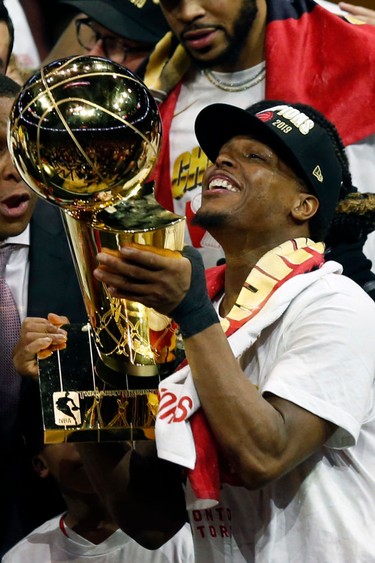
(116, 371)
(83, 400)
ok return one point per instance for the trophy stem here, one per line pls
(130, 338)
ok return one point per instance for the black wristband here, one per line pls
(195, 312)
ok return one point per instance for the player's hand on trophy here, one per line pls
(39, 338)
(174, 285)
(155, 280)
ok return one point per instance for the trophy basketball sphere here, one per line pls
(83, 131)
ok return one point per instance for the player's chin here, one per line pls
(206, 218)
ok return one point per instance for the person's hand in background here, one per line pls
(367, 15)
(39, 339)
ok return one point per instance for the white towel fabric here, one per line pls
(178, 397)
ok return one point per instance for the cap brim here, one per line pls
(130, 22)
(218, 123)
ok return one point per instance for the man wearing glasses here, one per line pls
(120, 31)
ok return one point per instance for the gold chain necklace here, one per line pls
(235, 86)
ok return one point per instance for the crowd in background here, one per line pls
(44, 28)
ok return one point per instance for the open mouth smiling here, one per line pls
(222, 184)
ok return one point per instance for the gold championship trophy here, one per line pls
(84, 134)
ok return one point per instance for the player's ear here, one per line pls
(305, 208)
(40, 466)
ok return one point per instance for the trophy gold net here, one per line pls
(84, 134)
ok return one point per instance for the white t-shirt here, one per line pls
(49, 544)
(188, 162)
(319, 355)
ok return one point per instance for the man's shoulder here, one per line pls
(46, 217)
(337, 292)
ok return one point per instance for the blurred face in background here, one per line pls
(64, 463)
(213, 32)
(99, 41)
(17, 200)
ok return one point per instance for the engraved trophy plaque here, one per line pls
(84, 134)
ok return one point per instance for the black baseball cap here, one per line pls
(296, 136)
(145, 24)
